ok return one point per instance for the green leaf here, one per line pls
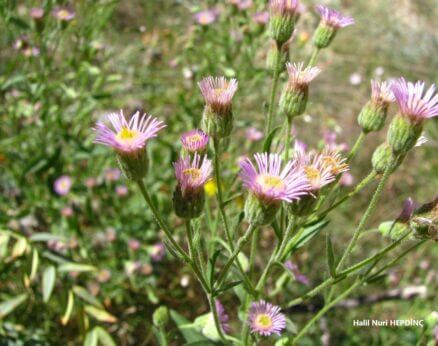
(186, 328)
(87, 297)
(35, 264)
(4, 241)
(10, 305)
(70, 303)
(100, 314)
(268, 140)
(49, 277)
(91, 338)
(228, 286)
(19, 248)
(310, 231)
(104, 337)
(76, 267)
(44, 237)
(211, 265)
(330, 256)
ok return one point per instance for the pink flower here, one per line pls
(223, 316)
(62, 185)
(300, 76)
(206, 17)
(261, 18)
(266, 319)
(192, 175)
(63, 14)
(253, 135)
(122, 191)
(381, 92)
(194, 141)
(269, 182)
(333, 18)
(128, 137)
(218, 92)
(415, 103)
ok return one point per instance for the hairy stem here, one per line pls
(356, 146)
(277, 70)
(217, 321)
(321, 312)
(368, 213)
(313, 57)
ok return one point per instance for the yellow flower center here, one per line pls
(192, 173)
(220, 91)
(264, 321)
(126, 135)
(312, 174)
(269, 182)
(194, 139)
(63, 14)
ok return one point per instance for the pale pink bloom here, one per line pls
(206, 17)
(192, 174)
(266, 319)
(63, 185)
(333, 18)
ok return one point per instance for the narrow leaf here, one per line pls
(68, 310)
(330, 257)
(35, 264)
(268, 140)
(75, 267)
(91, 338)
(49, 277)
(10, 305)
(87, 297)
(99, 314)
(104, 337)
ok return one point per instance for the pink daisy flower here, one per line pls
(218, 93)
(300, 76)
(284, 7)
(261, 18)
(206, 17)
(266, 319)
(194, 141)
(63, 185)
(316, 169)
(63, 14)
(157, 252)
(333, 18)
(192, 175)
(415, 103)
(269, 182)
(381, 92)
(128, 137)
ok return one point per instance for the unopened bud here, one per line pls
(403, 134)
(258, 212)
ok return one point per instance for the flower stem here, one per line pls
(321, 312)
(219, 198)
(169, 236)
(313, 57)
(368, 213)
(276, 75)
(365, 181)
(217, 321)
(160, 221)
(356, 146)
(240, 244)
(287, 140)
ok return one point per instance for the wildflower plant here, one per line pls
(234, 217)
(287, 191)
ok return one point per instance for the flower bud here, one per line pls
(189, 195)
(259, 213)
(373, 114)
(392, 230)
(323, 36)
(189, 205)
(382, 156)
(425, 221)
(133, 167)
(372, 117)
(217, 119)
(282, 20)
(217, 126)
(331, 22)
(160, 317)
(293, 100)
(403, 134)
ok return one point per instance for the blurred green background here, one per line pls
(58, 77)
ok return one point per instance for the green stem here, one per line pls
(313, 57)
(217, 321)
(345, 273)
(219, 198)
(160, 221)
(288, 138)
(356, 190)
(276, 254)
(254, 242)
(368, 213)
(321, 312)
(240, 244)
(162, 339)
(356, 146)
(277, 70)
